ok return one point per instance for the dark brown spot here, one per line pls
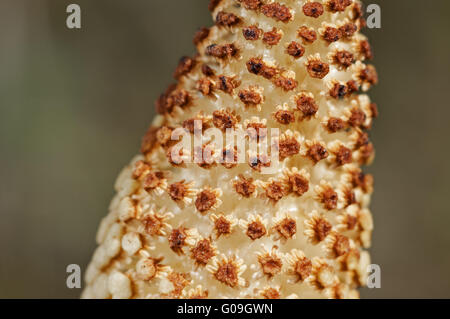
(369, 75)
(295, 50)
(338, 5)
(258, 67)
(303, 268)
(205, 86)
(228, 274)
(366, 153)
(287, 84)
(178, 191)
(308, 35)
(287, 227)
(221, 51)
(352, 87)
(338, 91)
(224, 119)
(362, 23)
(357, 10)
(207, 71)
(289, 147)
(272, 37)
(275, 191)
(177, 240)
(152, 225)
(152, 180)
(332, 34)
(351, 222)
(184, 66)
(251, 4)
(341, 245)
(344, 58)
(335, 124)
(374, 110)
(255, 66)
(271, 265)
(329, 198)
(313, 9)
(204, 156)
(350, 197)
(202, 252)
(257, 162)
(307, 105)
(343, 156)
(205, 201)
(317, 69)
(222, 226)
(357, 118)
(366, 49)
(251, 33)
(348, 30)
(149, 140)
(250, 97)
(277, 11)
(359, 179)
(227, 19)
(363, 139)
(368, 183)
(177, 97)
(298, 184)
(161, 105)
(229, 157)
(194, 125)
(322, 229)
(317, 153)
(226, 84)
(284, 117)
(200, 35)
(244, 187)
(256, 230)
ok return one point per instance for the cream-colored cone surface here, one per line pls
(218, 230)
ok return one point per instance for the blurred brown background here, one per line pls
(75, 103)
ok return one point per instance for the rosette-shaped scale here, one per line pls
(179, 228)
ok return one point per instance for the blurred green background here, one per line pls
(75, 103)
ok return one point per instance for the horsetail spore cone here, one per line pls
(212, 229)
